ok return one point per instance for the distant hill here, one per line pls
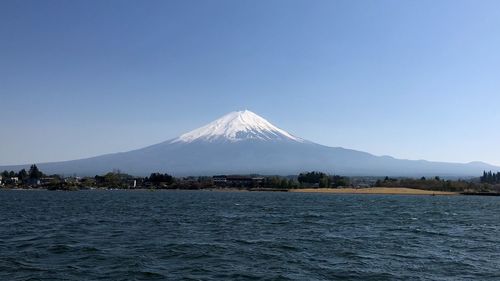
(242, 142)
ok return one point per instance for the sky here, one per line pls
(410, 79)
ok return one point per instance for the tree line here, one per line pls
(322, 180)
(490, 177)
(34, 173)
(120, 180)
(35, 178)
(435, 184)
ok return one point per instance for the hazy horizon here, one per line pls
(413, 80)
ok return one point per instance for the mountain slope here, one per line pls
(242, 143)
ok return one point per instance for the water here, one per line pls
(199, 235)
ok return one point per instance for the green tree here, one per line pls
(158, 178)
(324, 182)
(112, 180)
(311, 177)
(22, 175)
(34, 173)
(283, 183)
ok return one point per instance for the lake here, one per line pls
(202, 235)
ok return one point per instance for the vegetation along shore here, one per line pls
(487, 184)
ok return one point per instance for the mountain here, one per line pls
(242, 142)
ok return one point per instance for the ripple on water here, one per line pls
(246, 236)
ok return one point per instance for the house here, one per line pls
(72, 179)
(14, 180)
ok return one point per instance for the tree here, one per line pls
(292, 183)
(311, 177)
(112, 180)
(158, 178)
(336, 181)
(283, 183)
(22, 175)
(324, 181)
(490, 177)
(34, 173)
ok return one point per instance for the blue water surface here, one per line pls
(202, 235)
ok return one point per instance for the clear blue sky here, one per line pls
(411, 79)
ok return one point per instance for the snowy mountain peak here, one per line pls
(238, 126)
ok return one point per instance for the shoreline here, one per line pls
(375, 190)
(369, 190)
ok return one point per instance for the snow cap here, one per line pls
(238, 126)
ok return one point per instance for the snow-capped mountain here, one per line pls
(242, 142)
(238, 126)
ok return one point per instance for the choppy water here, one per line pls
(141, 235)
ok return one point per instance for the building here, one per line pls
(47, 180)
(72, 179)
(237, 181)
(219, 180)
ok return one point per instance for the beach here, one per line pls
(375, 190)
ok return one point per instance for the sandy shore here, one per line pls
(375, 190)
